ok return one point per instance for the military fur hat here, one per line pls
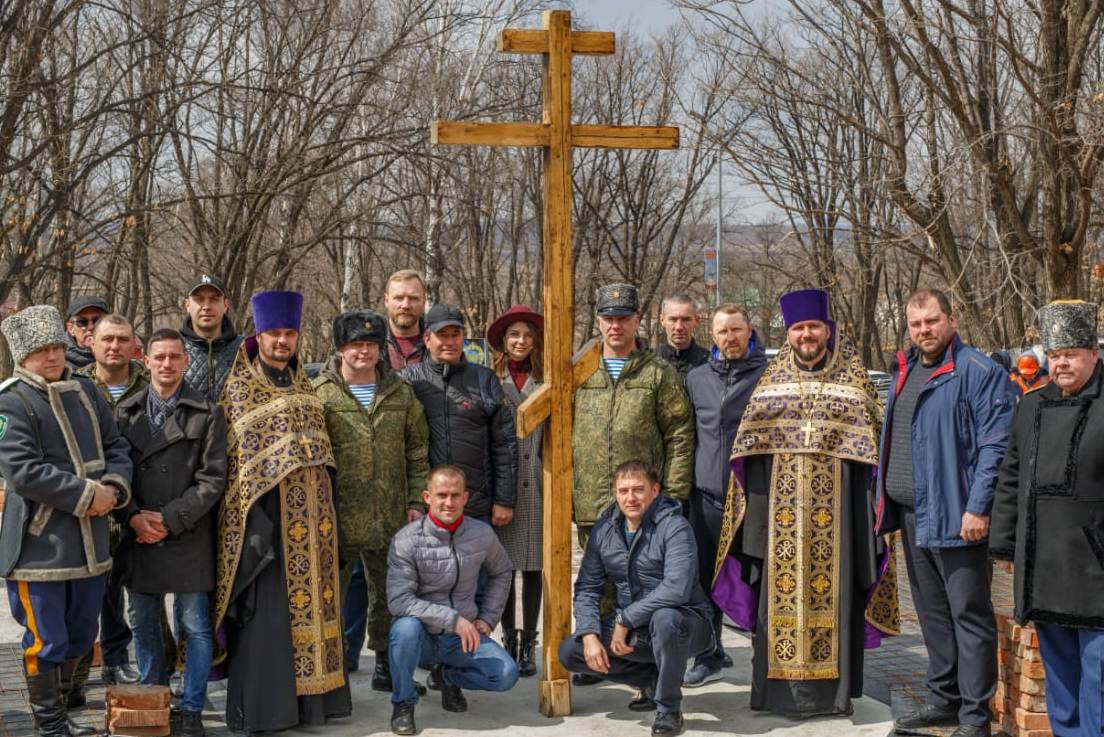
(618, 300)
(357, 325)
(32, 329)
(1068, 324)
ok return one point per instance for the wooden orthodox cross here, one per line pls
(557, 136)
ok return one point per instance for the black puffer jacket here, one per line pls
(470, 426)
(209, 361)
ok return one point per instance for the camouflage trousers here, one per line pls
(366, 598)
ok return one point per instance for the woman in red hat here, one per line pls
(517, 341)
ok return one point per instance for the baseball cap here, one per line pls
(207, 280)
(443, 316)
(85, 302)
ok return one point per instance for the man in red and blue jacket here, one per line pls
(946, 431)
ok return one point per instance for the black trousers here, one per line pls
(115, 635)
(705, 520)
(659, 654)
(951, 592)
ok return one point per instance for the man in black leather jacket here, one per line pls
(470, 425)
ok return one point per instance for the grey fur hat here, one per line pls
(31, 329)
(1068, 324)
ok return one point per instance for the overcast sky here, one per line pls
(612, 14)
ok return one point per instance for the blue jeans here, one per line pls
(489, 668)
(1073, 659)
(354, 610)
(193, 615)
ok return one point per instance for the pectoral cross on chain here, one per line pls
(808, 429)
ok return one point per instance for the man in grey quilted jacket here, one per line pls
(433, 571)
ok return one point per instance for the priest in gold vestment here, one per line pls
(798, 562)
(277, 594)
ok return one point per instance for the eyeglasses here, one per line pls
(85, 322)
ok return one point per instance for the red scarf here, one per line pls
(451, 528)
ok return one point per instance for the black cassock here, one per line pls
(260, 693)
(858, 560)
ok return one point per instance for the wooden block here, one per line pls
(1032, 686)
(97, 655)
(555, 697)
(1014, 633)
(137, 696)
(1033, 733)
(1028, 637)
(1004, 656)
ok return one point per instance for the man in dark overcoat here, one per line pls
(65, 467)
(178, 446)
(1048, 517)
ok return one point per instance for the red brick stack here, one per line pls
(1019, 706)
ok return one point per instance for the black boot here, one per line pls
(47, 705)
(452, 697)
(402, 719)
(69, 680)
(510, 642)
(526, 666)
(381, 676)
(191, 724)
(72, 686)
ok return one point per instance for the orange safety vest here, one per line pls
(1024, 385)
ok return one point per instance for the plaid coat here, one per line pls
(523, 538)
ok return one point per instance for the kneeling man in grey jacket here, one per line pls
(433, 570)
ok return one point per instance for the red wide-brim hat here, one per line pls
(517, 313)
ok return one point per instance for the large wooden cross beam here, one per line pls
(557, 136)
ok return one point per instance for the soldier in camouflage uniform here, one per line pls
(633, 408)
(380, 442)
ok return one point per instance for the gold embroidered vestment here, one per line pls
(277, 441)
(810, 423)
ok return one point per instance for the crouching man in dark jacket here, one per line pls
(66, 467)
(433, 570)
(663, 618)
(178, 447)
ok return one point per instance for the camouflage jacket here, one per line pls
(381, 454)
(139, 380)
(645, 416)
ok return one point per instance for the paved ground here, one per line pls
(894, 673)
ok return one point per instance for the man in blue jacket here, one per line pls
(663, 618)
(946, 431)
(718, 392)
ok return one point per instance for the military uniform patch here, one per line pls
(3, 426)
